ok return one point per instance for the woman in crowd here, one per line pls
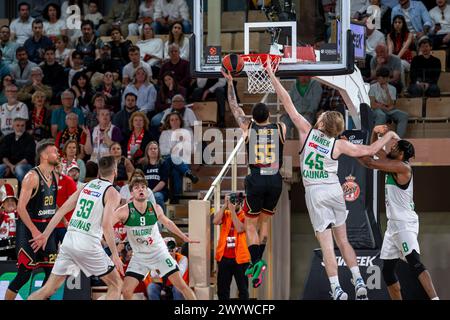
(62, 53)
(138, 138)
(125, 168)
(81, 88)
(110, 91)
(152, 49)
(39, 118)
(71, 153)
(177, 36)
(54, 26)
(144, 90)
(399, 41)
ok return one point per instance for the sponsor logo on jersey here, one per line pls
(46, 212)
(318, 148)
(92, 193)
(95, 186)
(351, 189)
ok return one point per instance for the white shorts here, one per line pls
(80, 251)
(400, 240)
(326, 205)
(142, 263)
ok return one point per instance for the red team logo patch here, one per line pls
(351, 189)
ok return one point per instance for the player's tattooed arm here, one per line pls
(239, 115)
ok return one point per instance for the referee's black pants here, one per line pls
(227, 268)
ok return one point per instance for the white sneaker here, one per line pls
(339, 294)
(360, 289)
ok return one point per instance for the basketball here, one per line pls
(233, 63)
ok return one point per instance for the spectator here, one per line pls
(94, 15)
(232, 254)
(169, 12)
(425, 72)
(212, 88)
(5, 82)
(146, 16)
(17, 151)
(66, 187)
(156, 173)
(374, 38)
(98, 102)
(178, 66)
(441, 19)
(177, 36)
(399, 42)
(82, 89)
(177, 144)
(125, 168)
(129, 70)
(179, 105)
(54, 26)
(121, 14)
(21, 28)
(119, 48)
(306, 95)
(331, 100)
(99, 142)
(88, 44)
(4, 69)
(104, 64)
(163, 286)
(72, 132)
(110, 91)
(38, 7)
(8, 217)
(73, 171)
(138, 138)
(59, 115)
(36, 44)
(21, 70)
(77, 66)
(39, 117)
(7, 47)
(62, 53)
(382, 100)
(144, 90)
(418, 20)
(26, 92)
(152, 49)
(392, 62)
(10, 110)
(54, 74)
(121, 118)
(71, 154)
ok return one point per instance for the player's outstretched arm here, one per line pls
(299, 121)
(112, 201)
(237, 111)
(352, 150)
(171, 226)
(70, 204)
(385, 165)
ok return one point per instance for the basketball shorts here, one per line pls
(25, 254)
(326, 206)
(82, 252)
(400, 239)
(262, 193)
(142, 263)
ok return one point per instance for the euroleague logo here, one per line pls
(213, 51)
(351, 189)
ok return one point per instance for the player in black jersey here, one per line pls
(36, 206)
(264, 141)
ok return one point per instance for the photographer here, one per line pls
(232, 253)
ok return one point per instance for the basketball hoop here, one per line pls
(255, 67)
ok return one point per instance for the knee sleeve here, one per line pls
(22, 277)
(389, 271)
(414, 261)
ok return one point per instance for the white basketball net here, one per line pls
(258, 78)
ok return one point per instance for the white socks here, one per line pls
(334, 282)
(435, 298)
(355, 272)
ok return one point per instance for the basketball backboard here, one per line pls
(311, 40)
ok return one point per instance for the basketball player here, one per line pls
(140, 219)
(264, 141)
(323, 192)
(400, 238)
(94, 206)
(36, 206)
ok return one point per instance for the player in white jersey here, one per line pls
(94, 206)
(140, 218)
(323, 192)
(400, 240)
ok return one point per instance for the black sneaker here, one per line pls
(192, 177)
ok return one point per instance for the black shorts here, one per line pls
(262, 193)
(25, 254)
